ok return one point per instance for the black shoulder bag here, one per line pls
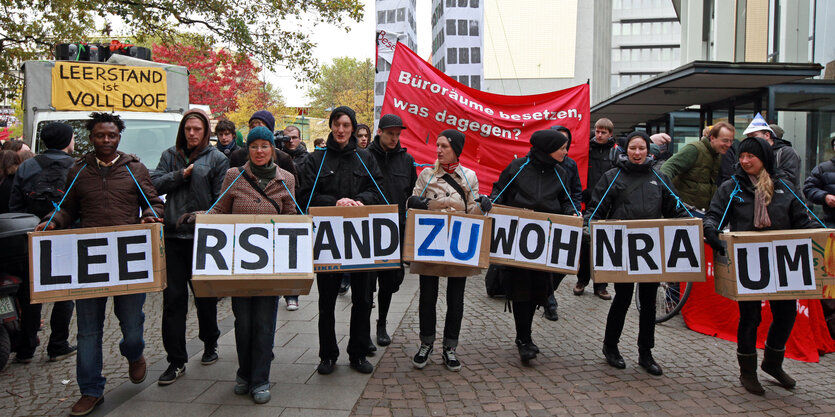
(251, 182)
(454, 184)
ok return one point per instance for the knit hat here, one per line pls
(565, 131)
(778, 131)
(548, 140)
(339, 111)
(56, 135)
(265, 117)
(756, 125)
(456, 140)
(260, 132)
(761, 149)
(390, 120)
(642, 135)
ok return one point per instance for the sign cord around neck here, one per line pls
(58, 207)
(142, 192)
(566, 192)
(603, 198)
(372, 177)
(511, 180)
(316, 181)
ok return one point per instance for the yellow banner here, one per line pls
(100, 87)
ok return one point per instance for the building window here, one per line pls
(462, 3)
(381, 16)
(463, 55)
(475, 82)
(475, 55)
(463, 79)
(380, 88)
(390, 16)
(401, 14)
(473, 27)
(450, 26)
(450, 3)
(452, 55)
(462, 27)
(474, 4)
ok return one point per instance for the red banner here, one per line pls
(497, 127)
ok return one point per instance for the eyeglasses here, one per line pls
(260, 147)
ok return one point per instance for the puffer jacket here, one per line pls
(601, 159)
(694, 170)
(637, 193)
(536, 187)
(785, 211)
(442, 197)
(243, 198)
(787, 160)
(197, 192)
(102, 198)
(819, 184)
(342, 175)
(399, 175)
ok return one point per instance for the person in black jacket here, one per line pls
(601, 160)
(335, 176)
(819, 187)
(767, 202)
(636, 193)
(399, 176)
(536, 187)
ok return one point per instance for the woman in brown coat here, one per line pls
(434, 190)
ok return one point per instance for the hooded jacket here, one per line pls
(601, 159)
(108, 197)
(637, 193)
(399, 175)
(536, 187)
(819, 184)
(787, 160)
(342, 175)
(785, 211)
(197, 192)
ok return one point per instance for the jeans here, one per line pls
(91, 313)
(255, 319)
(783, 313)
(523, 312)
(646, 318)
(178, 258)
(389, 281)
(30, 320)
(328, 285)
(454, 312)
(584, 270)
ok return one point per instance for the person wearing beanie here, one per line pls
(819, 187)
(786, 158)
(765, 202)
(283, 159)
(342, 175)
(633, 190)
(190, 174)
(24, 197)
(533, 182)
(262, 118)
(255, 317)
(448, 187)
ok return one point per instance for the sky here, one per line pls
(358, 43)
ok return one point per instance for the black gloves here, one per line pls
(416, 202)
(712, 239)
(484, 203)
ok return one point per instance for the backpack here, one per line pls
(48, 186)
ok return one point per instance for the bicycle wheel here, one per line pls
(669, 300)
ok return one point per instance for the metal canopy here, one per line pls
(697, 83)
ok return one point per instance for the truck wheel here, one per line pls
(5, 346)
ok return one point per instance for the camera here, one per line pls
(281, 139)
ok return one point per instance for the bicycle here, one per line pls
(669, 299)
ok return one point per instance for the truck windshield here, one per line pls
(146, 139)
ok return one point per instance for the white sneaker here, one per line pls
(292, 304)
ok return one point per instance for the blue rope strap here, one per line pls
(801, 202)
(463, 174)
(422, 165)
(678, 199)
(566, 192)
(603, 198)
(224, 192)
(58, 207)
(372, 177)
(513, 178)
(291, 196)
(737, 189)
(427, 184)
(316, 181)
(142, 192)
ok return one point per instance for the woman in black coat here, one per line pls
(765, 203)
(536, 187)
(635, 191)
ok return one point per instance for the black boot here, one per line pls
(647, 362)
(773, 365)
(527, 351)
(748, 373)
(613, 357)
(551, 309)
(383, 338)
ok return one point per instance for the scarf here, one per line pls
(761, 219)
(264, 174)
(450, 168)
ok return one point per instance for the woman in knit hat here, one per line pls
(635, 191)
(447, 187)
(533, 182)
(763, 202)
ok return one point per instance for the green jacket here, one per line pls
(694, 170)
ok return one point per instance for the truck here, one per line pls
(150, 97)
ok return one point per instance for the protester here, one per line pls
(241, 156)
(226, 138)
(16, 145)
(695, 167)
(399, 176)
(9, 162)
(266, 189)
(785, 158)
(295, 147)
(342, 175)
(534, 182)
(449, 187)
(190, 174)
(363, 135)
(601, 160)
(38, 183)
(319, 143)
(106, 178)
(758, 198)
(633, 190)
(819, 187)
